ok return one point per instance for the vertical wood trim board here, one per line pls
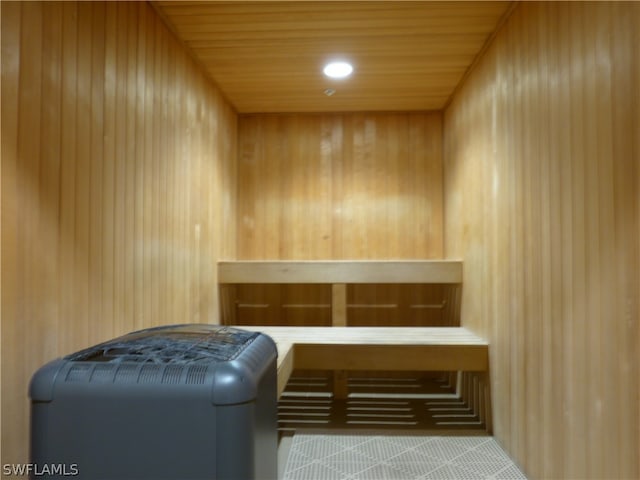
(542, 203)
(340, 186)
(118, 161)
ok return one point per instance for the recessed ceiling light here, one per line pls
(338, 69)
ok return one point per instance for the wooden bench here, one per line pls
(341, 271)
(376, 348)
(342, 348)
(337, 274)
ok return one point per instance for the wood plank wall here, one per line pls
(117, 186)
(340, 186)
(367, 305)
(542, 166)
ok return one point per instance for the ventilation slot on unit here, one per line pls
(149, 374)
(197, 375)
(172, 374)
(127, 374)
(102, 374)
(79, 373)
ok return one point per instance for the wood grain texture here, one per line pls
(394, 358)
(541, 202)
(398, 304)
(279, 304)
(360, 348)
(339, 305)
(268, 56)
(344, 271)
(341, 186)
(362, 293)
(117, 180)
(429, 336)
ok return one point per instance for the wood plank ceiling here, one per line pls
(268, 56)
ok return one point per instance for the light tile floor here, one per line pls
(395, 457)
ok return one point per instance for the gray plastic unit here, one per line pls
(177, 402)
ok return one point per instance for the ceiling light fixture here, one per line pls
(338, 69)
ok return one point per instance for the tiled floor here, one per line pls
(394, 457)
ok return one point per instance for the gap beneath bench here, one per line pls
(351, 349)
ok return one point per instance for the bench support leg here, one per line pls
(340, 385)
(339, 305)
(339, 319)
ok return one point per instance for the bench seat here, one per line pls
(376, 348)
